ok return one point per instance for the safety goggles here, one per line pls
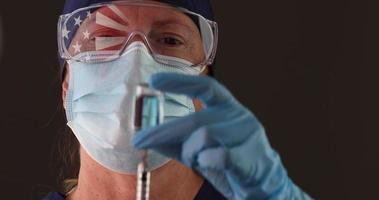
(102, 32)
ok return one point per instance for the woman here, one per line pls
(209, 146)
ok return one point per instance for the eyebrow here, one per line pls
(162, 23)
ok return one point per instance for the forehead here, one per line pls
(119, 14)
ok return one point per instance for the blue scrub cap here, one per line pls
(202, 7)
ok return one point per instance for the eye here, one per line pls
(105, 33)
(104, 36)
(170, 41)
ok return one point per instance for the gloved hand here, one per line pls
(224, 142)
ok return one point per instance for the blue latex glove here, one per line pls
(224, 142)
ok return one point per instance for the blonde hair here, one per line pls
(66, 160)
(69, 185)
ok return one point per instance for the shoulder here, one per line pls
(54, 196)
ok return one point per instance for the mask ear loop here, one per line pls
(68, 100)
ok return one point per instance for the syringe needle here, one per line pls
(143, 183)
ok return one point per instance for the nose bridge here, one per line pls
(137, 36)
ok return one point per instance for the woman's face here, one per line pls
(168, 31)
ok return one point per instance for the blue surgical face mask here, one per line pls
(100, 102)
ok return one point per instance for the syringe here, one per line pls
(148, 113)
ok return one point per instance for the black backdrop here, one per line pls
(306, 69)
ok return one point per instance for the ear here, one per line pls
(66, 79)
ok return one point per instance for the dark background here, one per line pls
(306, 68)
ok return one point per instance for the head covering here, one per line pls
(202, 7)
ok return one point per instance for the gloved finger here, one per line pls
(174, 132)
(234, 129)
(207, 89)
(198, 141)
(217, 158)
(222, 133)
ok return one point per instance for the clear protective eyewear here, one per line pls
(102, 32)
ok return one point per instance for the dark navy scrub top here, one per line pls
(207, 192)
